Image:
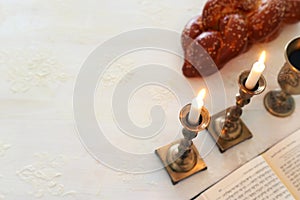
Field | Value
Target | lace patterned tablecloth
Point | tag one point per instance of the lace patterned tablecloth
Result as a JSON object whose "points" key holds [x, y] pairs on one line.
{"points": [[43, 46]]}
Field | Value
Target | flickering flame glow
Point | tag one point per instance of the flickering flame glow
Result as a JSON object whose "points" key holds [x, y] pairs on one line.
{"points": [[201, 95], [262, 57]]}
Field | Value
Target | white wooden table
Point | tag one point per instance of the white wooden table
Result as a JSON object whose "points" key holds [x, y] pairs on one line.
{"points": [[43, 47]]}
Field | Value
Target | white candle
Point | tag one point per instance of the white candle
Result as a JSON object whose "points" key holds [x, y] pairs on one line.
{"points": [[196, 107], [256, 71]]}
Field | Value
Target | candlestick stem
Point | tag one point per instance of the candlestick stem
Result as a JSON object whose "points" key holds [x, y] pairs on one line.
{"points": [[181, 158], [227, 128]]}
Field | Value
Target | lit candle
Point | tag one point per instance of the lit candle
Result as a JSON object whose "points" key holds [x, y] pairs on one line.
{"points": [[256, 71], [196, 107]]}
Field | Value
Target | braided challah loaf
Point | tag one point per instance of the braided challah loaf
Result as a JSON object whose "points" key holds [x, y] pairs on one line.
{"points": [[227, 28]]}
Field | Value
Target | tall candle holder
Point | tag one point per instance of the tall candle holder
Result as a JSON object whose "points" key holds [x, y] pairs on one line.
{"points": [[181, 158], [226, 127], [280, 102]]}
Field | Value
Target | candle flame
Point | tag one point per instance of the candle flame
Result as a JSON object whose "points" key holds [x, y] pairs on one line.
{"points": [[201, 94], [262, 57]]}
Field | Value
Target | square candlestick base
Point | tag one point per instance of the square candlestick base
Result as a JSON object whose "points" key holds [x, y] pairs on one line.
{"points": [[215, 128], [178, 176]]}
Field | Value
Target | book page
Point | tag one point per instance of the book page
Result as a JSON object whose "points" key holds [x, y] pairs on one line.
{"points": [[254, 180], [284, 159]]}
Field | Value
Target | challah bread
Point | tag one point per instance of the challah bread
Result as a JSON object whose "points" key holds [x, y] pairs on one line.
{"points": [[227, 28], [215, 10], [233, 30], [192, 29], [292, 11], [221, 45], [211, 42], [265, 20]]}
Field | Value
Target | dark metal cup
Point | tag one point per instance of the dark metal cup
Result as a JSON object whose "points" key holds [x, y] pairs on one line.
{"points": [[280, 102]]}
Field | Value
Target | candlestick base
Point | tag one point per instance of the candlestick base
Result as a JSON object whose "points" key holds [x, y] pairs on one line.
{"points": [[180, 172], [235, 136]]}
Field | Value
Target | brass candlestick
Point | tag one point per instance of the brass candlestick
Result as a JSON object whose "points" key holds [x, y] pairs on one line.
{"points": [[181, 158], [226, 127], [280, 102]]}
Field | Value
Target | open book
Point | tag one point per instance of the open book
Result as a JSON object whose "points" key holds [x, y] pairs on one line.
{"points": [[275, 174]]}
